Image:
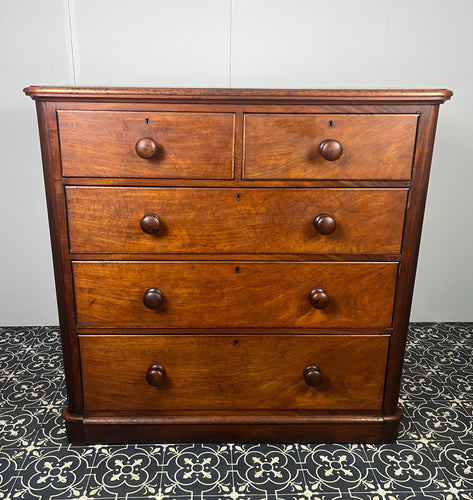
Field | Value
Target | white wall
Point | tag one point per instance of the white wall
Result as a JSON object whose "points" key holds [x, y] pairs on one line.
{"points": [[236, 43]]}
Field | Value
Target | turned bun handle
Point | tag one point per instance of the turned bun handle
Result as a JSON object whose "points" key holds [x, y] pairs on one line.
{"points": [[313, 376], [153, 298], [331, 149], [319, 298], [147, 148], [156, 375], [325, 224], [150, 223]]}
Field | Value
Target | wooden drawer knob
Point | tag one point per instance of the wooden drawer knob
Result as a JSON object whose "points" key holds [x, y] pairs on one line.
{"points": [[325, 224], [318, 298], [153, 298], [313, 376], [331, 149], [150, 223], [146, 148], [156, 375]]}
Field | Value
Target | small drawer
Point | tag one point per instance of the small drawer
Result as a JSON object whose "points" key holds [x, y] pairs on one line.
{"points": [[233, 294], [269, 221], [319, 146], [141, 144], [246, 372]]}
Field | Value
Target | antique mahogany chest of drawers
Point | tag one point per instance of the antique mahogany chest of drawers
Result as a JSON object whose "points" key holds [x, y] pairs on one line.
{"points": [[234, 265]]}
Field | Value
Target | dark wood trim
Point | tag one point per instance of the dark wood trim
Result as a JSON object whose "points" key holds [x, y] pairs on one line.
{"points": [[410, 251], [235, 331], [236, 95], [238, 257], [59, 245], [237, 428], [235, 183]]}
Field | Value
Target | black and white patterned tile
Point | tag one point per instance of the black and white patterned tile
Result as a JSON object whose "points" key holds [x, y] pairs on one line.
{"points": [[19, 426], [405, 467], [443, 420], [126, 471], [54, 472], [331, 468], [267, 470], [432, 459]]}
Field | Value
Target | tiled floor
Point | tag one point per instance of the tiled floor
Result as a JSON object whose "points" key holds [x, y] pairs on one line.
{"points": [[432, 459]]}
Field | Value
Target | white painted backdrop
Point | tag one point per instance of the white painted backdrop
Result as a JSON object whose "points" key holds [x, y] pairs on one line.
{"points": [[236, 43]]}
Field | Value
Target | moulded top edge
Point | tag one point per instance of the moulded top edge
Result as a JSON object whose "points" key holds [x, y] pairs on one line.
{"points": [[232, 94]]}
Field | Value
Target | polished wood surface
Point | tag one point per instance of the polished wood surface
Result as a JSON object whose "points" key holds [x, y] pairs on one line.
{"points": [[232, 221], [107, 144], [246, 375], [195, 95], [234, 264], [238, 294], [286, 146]]}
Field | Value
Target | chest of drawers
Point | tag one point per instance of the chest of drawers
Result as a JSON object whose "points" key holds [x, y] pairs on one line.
{"points": [[234, 265]]}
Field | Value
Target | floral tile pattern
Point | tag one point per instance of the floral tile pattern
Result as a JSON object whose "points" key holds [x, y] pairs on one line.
{"points": [[432, 459]]}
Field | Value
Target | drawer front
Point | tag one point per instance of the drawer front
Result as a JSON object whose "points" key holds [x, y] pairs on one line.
{"points": [[233, 294], [288, 146], [222, 372], [235, 221], [175, 145]]}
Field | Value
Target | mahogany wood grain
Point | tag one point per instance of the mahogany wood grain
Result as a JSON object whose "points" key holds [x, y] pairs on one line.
{"points": [[238, 294], [235, 221], [249, 374], [190, 145], [244, 208], [287, 146]]}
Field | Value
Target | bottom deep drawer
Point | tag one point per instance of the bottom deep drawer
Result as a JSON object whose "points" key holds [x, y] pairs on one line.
{"points": [[233, 372]]}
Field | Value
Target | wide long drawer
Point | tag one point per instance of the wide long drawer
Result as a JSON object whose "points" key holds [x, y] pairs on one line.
{"points": [[323, 146], [223, 372], [311, 221], [178, 145], [233, 294]]}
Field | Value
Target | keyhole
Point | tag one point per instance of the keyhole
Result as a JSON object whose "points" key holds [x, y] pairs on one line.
{"points": [[238, 197], [147, 121], [237, 269], [235, 342], [330, 124]]}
